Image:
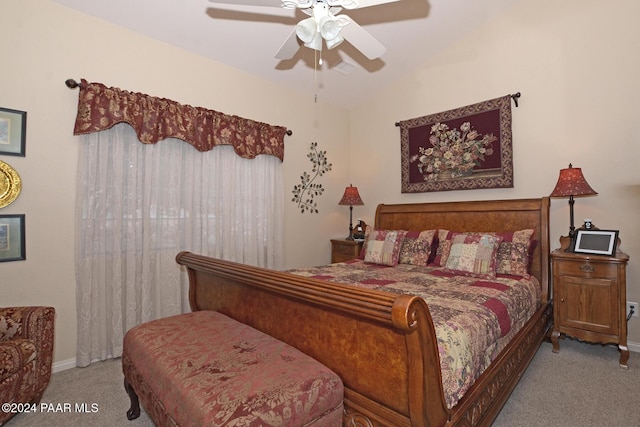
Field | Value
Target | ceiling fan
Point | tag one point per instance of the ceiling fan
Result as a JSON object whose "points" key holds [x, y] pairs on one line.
{"points": [[323, 25]]}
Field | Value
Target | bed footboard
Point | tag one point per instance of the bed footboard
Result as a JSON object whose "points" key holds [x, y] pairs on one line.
{"points": [[383, 346]]}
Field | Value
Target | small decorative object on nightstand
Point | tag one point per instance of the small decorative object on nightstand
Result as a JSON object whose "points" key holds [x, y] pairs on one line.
{"points": [[589, 294], [345, 250]]}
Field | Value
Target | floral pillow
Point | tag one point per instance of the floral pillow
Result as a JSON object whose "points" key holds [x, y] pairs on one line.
{"points": [[444, 246], [416, 247], [514, 253], [383, 246], [473, 254], [367, 232]]}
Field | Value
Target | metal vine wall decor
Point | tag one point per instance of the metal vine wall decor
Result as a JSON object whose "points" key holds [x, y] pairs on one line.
{"points": [[304, 193]]}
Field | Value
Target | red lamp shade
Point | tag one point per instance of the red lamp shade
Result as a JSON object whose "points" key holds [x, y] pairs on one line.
{"points": [[351, 197], [571, 182]]}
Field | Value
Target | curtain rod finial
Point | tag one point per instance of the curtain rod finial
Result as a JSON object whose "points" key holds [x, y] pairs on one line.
{"points": [[515, 97], [71, 83]]}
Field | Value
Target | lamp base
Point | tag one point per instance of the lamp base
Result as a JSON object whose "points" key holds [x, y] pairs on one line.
{"points": [[572, 242], [350, 236], [567, 244], [572, 228]]}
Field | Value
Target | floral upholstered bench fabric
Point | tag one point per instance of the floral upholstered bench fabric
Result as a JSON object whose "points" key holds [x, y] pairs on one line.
{"points": [[206, 369]]}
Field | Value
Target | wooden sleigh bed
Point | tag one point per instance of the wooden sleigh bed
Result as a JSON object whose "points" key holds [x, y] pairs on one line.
{"points": [[383, 345]]}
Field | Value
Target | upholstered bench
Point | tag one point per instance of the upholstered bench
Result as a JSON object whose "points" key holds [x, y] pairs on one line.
{"points": [[206, 369]]}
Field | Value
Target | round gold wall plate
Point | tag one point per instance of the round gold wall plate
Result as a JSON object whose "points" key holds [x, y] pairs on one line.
{"points": [[10, 184]]}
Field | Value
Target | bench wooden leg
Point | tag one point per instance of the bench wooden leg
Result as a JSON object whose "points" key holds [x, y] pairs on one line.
{"points": [[134, 410]]}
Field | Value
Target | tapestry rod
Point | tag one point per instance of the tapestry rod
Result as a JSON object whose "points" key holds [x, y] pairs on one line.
{"points": [[514, 96], [72, 84]]}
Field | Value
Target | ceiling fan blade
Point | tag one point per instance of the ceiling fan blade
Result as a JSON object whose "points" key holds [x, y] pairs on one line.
{"points": [[357, 4], [362, 40], [368, 3], [289, 47], [267, 3]]}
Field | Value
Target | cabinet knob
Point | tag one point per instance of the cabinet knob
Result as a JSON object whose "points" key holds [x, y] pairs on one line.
{"points": [[587, 268], [561, 299]]}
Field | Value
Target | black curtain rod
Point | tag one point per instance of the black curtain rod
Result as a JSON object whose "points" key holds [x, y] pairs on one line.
{"points": [[72, 84], [514, 96]]}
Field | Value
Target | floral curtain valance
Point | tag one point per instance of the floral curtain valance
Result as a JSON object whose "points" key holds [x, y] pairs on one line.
{"points": [[155, 119]]}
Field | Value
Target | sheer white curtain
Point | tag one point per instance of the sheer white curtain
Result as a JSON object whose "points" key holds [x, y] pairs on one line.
{"points": [[138, 205]]}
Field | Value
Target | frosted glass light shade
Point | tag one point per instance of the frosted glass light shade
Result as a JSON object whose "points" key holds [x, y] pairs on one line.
{"points": [[315, 43], [306, 30], [329, 27]]}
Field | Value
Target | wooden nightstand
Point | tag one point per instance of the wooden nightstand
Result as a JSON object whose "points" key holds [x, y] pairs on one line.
{"points": [[589, 299], [344, 250]]}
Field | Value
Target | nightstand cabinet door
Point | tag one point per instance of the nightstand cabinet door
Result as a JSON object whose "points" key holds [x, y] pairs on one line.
{"points": [[344, 250], [587, 305], [589, 299]]}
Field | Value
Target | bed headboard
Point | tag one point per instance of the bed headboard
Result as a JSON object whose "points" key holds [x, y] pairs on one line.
{"points": [[489, 215]]}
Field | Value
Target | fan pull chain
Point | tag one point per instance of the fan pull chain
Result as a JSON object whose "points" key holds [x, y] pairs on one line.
{"points": [[315, 77]]}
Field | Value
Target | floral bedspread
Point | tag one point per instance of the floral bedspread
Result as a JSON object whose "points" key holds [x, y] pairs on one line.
{"points": [[474, 318]]}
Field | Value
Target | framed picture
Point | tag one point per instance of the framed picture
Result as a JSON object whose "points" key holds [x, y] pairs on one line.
{"points": [[12, 238], [461, 149], [597, 242], [13, 132]]}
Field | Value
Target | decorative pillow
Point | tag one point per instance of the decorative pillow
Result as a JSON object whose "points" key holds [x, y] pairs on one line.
{"points": [[367, 231], [416, 247], [443, 248], [473, 254], [383, 246], [514, 253]]}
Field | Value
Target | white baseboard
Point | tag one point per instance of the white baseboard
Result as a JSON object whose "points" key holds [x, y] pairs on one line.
{"points": [[63, 365], [634, 346]]}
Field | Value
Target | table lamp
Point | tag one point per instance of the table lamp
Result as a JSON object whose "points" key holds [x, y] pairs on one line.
{"points": [[571, 183], [351, 197]]}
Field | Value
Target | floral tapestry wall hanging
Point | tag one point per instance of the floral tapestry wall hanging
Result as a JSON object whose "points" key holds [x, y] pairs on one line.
{"points": [[461, 149], [304, 193]]}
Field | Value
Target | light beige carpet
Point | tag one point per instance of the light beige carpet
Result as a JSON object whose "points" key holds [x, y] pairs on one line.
{"points": [[98, 390], [580, 386]]}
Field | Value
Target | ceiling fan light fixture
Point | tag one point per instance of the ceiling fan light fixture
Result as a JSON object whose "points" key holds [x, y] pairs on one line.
{"points": [[334, 42], [324, 25], [306, 30], [329, 27], [315, 42]]}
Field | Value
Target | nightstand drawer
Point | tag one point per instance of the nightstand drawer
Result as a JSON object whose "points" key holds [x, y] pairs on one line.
{"points": [[584, 268], [344, 250]]}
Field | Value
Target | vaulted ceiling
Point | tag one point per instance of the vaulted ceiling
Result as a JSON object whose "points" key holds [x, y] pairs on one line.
{"points": [[247, 37]]}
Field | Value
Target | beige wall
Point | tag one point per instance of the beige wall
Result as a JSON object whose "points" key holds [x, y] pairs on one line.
{"points": [[45, 44], [574, 62]]}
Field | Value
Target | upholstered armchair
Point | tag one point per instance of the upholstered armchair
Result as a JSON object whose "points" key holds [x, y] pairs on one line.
{"points": [[26, 353]]}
